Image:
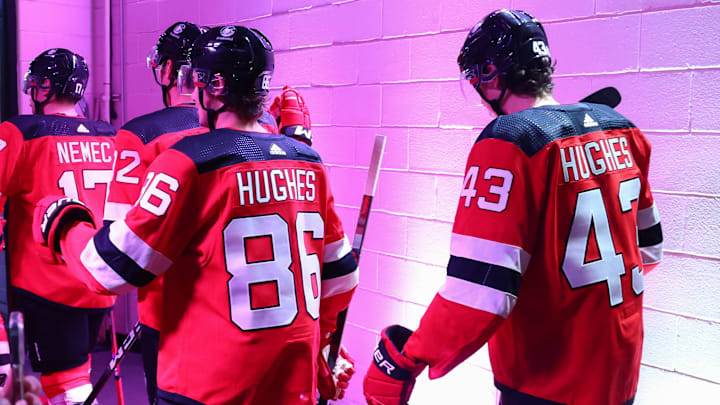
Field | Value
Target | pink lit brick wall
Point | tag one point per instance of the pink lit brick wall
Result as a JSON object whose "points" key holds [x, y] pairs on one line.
{"points": [[387, 67]]}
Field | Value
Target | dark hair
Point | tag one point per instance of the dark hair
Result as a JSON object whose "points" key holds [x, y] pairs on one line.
{"points": [[249, 107], [66, 98], [535, 79]]}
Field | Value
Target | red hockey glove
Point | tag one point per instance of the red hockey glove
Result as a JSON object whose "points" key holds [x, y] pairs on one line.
{"points": [[53, 214], [391, 376], [292, 115], [332, 386]]}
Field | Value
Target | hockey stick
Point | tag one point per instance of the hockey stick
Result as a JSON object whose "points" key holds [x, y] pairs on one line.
{"points": [[16, 338], [370, 185], [609, 96], [127, 344], [118, 379]]}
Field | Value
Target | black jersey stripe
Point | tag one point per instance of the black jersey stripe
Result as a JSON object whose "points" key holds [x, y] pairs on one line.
{"points": [[346, 265], [490, 275], [121, 263], [650, 236]]}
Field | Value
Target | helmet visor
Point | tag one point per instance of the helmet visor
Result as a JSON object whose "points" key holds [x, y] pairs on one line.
{"points": [[189, 78], [154, 59], [31, 81]]}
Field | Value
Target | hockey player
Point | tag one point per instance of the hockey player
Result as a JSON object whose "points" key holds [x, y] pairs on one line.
{"points": [[555, 227], [142, 139], [137, 144], [242, 224], [54, 151]]}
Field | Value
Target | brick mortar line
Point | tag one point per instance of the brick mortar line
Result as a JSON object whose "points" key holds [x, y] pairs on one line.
{"points": [[410, 259], [686, 193], [691, 254], [682, 315], [680, 373], [455, 79], [396, 170]]}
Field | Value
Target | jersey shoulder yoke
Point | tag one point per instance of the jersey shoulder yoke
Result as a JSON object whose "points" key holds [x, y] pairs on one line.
{"points": [[534, 128], [226, 147], [36, 126]]}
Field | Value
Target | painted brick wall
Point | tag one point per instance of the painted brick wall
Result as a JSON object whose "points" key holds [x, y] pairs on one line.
{"points": [[387, 66]]}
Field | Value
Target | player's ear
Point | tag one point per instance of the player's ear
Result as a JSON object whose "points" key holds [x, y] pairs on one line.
{"points": [[166, 72]]}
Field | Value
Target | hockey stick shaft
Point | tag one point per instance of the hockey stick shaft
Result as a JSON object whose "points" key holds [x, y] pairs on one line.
{"points": [[16, 340], [124, 348], [359, 237], [118, 379]]}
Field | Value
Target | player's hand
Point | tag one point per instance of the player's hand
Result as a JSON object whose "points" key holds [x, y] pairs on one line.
{"points": [[33, 390], [292, 115], [391, 376], [53, 214], [332, 386]]}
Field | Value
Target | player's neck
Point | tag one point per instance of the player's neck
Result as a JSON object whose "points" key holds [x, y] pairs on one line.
{"points": [[516, 103], [60, 108], [228, 119], [175, 98]]}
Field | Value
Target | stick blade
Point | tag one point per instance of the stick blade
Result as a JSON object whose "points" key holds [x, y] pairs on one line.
{"points": [[609, 96], [375, 161]]}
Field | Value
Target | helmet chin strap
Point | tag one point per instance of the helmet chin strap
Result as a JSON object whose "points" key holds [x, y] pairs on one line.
{"points": [[166, 92], [495, 104], [212, 114], [40, 105]]}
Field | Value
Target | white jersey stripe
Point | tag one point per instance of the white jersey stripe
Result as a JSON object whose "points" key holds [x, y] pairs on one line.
{"points": [[648, 217], [478, 296], [102, 272], [339, 285], [487, 251], [651, 254], [116, 211], [336, 250], [140, 252]]}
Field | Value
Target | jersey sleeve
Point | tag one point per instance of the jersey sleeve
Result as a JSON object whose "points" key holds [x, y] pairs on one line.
{"points": [[131, 252], [494, 230], [339, 271], [11, 148], [128, 173], [650, 237]]}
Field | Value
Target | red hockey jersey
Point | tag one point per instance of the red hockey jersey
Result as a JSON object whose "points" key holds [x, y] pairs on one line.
{"points": [[254, 257], [51, 155], [138, 143], [554, 228]]}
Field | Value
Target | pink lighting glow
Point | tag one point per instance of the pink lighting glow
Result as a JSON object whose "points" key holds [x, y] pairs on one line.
{"points": [[388, 67]]}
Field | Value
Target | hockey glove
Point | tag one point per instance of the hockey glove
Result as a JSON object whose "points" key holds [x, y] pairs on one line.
{"points": [[53, 214], [332, 386], [391, 376], [292, 115]]}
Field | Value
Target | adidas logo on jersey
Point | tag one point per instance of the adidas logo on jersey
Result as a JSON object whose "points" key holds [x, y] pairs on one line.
{"points": [[589, 121], [3, 144], [82, 129], [276, 150]]}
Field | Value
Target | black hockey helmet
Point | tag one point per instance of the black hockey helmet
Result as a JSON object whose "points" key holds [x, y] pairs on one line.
{"points": [[228, 61], [174, 44], [58, 70], [503, 42]]}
